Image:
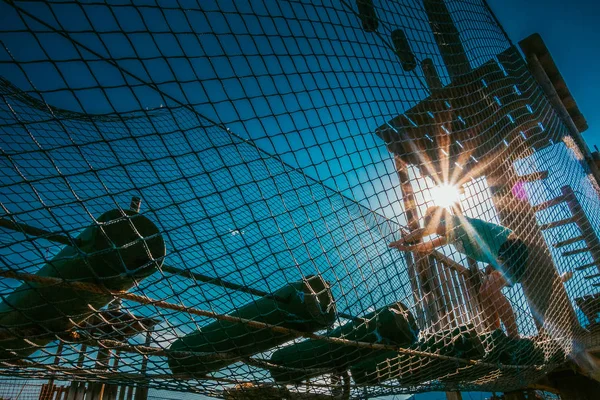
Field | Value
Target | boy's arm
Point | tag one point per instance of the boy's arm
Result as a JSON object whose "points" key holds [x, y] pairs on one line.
{"points": [[412, 237], [426, 247]]}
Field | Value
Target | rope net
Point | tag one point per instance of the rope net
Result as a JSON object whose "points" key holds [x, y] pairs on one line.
{"points": [[200, 197]]}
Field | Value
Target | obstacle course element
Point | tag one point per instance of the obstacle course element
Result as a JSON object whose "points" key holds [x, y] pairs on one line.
{"points": [[368, 15], [306, 306], [121, 248], [115, 324], [238, 120], [461, 342], [392, 324], [464, 343]]}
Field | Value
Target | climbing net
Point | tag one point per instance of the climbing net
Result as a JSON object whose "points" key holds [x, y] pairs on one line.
{"points": [[199, 196]]}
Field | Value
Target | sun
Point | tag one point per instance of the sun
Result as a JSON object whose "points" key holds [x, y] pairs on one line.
{"points": [[445, 195]]}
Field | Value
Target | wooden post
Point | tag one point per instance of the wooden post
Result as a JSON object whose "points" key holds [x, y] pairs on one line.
{"points": [[111, 389], [97, 389], [421, 264], [77, 389], [538, 71], [449, 317], [141, 391], [453, 396], [45, 392], [48, 389]]}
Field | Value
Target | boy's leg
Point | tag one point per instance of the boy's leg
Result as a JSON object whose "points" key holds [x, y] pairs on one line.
{"points": [[498, 306], [507, 315], [491, 319], [502, 306], [490, 314]]}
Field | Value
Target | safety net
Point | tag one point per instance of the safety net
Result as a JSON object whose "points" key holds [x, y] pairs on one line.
{"points": [[200, 196]]}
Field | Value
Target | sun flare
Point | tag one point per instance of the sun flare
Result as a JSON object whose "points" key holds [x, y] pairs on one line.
{"points": [[445, 195]]}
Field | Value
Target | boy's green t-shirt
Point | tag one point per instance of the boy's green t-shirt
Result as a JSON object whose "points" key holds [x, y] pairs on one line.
{"points": [[475, 238]]}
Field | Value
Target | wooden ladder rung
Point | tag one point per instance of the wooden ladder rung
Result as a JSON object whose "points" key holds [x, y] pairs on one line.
{"points": [[534, 176], [556, 224], [568, 242], [576, 251], [586, 266], [550, 203]]}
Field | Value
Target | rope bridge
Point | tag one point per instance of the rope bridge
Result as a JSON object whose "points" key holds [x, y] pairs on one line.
{"points": [[200, 197]]}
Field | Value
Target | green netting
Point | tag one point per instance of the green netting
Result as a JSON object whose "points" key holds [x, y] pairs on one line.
{"points": [[199, 196]]}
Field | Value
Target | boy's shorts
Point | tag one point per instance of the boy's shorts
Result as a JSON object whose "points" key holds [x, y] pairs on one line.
{"points": [[513, 259]]}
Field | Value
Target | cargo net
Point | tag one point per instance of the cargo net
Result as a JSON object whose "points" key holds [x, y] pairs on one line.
{"points": [[202, 196]]}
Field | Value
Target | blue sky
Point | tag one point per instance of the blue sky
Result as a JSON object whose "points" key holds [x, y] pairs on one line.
{"points": [[571, 32]]}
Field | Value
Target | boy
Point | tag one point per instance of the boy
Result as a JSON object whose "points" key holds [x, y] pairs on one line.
{"points": [[482, 241]]}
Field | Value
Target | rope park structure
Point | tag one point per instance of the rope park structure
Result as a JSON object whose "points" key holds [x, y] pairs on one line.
{"points": [[200, 197]]}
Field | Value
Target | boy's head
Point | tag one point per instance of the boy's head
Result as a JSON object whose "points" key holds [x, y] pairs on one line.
{"points": [[435, 219]]}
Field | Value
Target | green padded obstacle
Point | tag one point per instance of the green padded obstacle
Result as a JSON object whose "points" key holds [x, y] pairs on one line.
{"points": [[393, 325], [306, 306], [461, 342], [367, 15], [114, 253], [501, 349]]}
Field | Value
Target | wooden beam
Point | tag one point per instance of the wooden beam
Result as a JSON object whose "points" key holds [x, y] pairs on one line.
{"points": [[534, 46], [549, 78]]}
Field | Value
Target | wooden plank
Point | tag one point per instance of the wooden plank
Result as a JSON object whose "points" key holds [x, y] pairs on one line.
{"points": [[470, 306], [534, 45], [461, 297], [586, 266], [141, 391], [575, 252], [122, 390], [548, 204], [567, 242], [438, 295], [44, 392], [454, 297], [556, 224], [444, 294], [436, 127], [450, 263], [535, 176]]}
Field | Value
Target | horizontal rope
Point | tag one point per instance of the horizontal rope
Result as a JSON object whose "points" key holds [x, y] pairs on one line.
{"points": [[88, 287]]}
